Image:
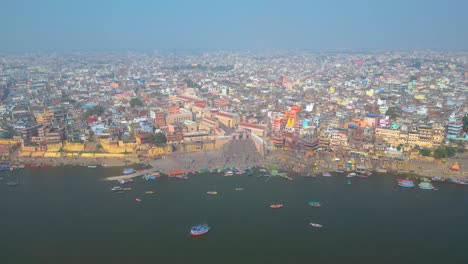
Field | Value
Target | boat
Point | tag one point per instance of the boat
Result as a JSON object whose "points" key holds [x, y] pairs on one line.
{"points": [[437, 179], [229, 173], [315, 225], [124, 181], [12, 183], [198, 230], [340, 171], [127, 189], [460, 182], [262, 170], [361, 169], [351, 175], [212, 192], [405, 183], [92, 166], [148, 177], [149, 192], [182, 177], [276, 206], [128, 171], [425, 185], [138, 200], [326, 174], [314, 204], [116, 188], [238, 189]]}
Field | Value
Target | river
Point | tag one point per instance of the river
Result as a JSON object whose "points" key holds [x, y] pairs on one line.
{"points": [[69, 214]]}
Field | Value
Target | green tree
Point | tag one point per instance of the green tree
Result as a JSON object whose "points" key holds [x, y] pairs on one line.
{"points": [[160, 139], [461, 150], [425, 152], [9, 132], [97, 110], [450, 151], [135, 102], [393, 111], [440, 153]]}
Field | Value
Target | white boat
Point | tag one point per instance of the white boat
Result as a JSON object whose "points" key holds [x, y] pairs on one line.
{"points": [[326, 174], [149, 192], [92, 166], [212, 193], [229, 173], [238, 189], [315, 225], [351, 175]]}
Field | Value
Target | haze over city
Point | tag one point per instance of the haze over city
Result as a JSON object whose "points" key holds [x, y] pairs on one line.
{"points": [[233, 131], [28, 25]]}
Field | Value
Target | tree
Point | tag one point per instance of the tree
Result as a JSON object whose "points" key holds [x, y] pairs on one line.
{"points": [[9, 132], [440, 153], [460, 150], [450, 151], [160, 139], [135, 102], [96, 110], [425, 152], [399, 147], [393, 111]]}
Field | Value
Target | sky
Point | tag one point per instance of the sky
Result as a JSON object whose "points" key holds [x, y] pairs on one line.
{"points": [[322, 25]]}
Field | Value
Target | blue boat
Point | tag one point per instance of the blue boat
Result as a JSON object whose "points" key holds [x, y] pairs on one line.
{"points": [[199, 230], [405, 183]]}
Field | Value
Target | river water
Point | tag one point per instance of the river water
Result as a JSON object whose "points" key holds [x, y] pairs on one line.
{"points": [[68, 215]]}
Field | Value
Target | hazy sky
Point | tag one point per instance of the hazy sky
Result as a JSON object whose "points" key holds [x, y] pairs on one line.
{"points": [[33, 25]]}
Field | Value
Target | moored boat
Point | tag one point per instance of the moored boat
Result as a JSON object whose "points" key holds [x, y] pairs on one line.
{"points": [[124, 181], [326, 174], [138, 200], [212, 192], [276, 206], [128, 171], [425, 185], [229, 173], [238, 189], [92, 166], [198, 230], [351, 175], [149, 192], [405, 183], [116, 188], [182, 177]]}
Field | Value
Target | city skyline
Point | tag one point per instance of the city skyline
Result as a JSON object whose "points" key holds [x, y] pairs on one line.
{"points": [[208, 25]]}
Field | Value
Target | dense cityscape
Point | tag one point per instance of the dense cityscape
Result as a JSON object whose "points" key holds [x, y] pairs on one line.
{"points": [[82, 108]]}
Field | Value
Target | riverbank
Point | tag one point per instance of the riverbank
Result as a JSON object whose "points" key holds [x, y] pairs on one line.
{"points": [[241, 154]]}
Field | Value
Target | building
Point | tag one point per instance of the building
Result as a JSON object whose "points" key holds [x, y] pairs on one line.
{"points": [[255, 129], [180, 115]]}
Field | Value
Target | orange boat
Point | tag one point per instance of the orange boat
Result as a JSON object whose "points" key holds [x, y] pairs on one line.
{"points": [[276, 206]]}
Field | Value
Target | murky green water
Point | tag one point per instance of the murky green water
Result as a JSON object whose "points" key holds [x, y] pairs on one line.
{"points": [[66, 215]]}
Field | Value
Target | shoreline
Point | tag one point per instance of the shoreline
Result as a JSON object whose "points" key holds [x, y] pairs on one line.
{"points": [[191, 162]]}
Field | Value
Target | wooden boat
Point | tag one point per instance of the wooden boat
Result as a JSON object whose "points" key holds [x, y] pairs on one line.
{"points": [[276, 206]]}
